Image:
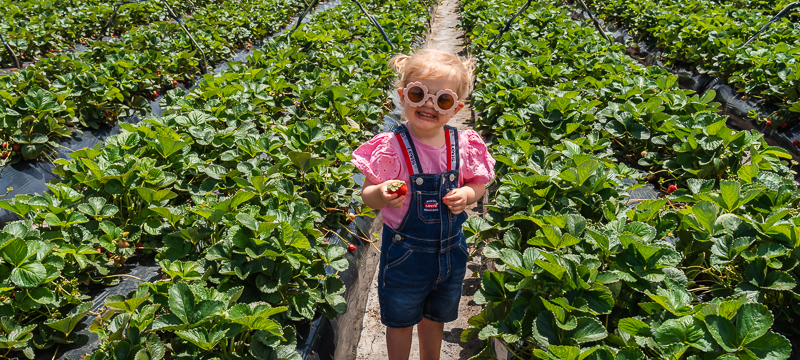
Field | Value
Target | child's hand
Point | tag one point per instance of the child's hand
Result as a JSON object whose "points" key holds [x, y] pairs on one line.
{"points": [[393, 200], [456, 200]]}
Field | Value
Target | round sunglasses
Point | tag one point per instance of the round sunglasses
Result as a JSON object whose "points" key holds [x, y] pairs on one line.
{"points": [[416, 94]]}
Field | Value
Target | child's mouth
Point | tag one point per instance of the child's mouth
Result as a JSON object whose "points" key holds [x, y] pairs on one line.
{"points": [[426, 115]]}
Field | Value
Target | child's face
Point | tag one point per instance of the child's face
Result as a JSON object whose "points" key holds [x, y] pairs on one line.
{"points": [[425, 117]]}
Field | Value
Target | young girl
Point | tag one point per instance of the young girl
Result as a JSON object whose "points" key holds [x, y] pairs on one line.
{"points": [[424, 252]]}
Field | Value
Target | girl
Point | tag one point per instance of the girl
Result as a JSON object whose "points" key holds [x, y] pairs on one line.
{"points": [[424, 252]]}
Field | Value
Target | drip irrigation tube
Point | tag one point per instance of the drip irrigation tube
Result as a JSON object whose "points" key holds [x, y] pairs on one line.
{"points": [[508, 24], [594, 20], [114, 14], [781, 14], [11, 52], [375, 23], [302, 16], [194, 43]]}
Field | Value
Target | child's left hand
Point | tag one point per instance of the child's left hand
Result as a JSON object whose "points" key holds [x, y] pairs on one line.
{"points": [[456, 200]]}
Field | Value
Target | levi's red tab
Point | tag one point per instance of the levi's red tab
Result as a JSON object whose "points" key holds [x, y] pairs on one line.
{"points": [[431, 205]]}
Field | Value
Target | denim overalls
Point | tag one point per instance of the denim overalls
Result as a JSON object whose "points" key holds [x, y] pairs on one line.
{"points": [[423, 262]]}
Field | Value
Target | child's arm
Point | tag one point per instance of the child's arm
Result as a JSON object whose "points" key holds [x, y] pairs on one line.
{"points": [[458, 199], [377, 196]]}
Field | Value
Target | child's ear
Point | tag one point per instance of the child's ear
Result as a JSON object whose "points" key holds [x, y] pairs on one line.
{"points": [[400, 92], [459, 107]]}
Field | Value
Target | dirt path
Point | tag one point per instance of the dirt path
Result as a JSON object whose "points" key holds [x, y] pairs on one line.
{"points": [[445, 36]]}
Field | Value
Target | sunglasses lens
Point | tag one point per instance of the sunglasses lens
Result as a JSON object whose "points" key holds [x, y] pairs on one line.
{"points": [[416, 94], [446, 101]]}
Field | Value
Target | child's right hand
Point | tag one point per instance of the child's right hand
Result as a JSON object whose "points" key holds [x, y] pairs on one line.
{"points": [[392, 200]]}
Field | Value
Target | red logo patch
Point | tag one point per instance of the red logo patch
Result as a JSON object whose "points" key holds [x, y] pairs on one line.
{"points": [[431, 205]]}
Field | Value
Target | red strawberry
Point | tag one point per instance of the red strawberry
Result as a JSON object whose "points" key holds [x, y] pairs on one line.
{"points": [[158, 72], [769, 123], [351, 248], [52, 50], [16, 147], [100, 250], [784, 125], [5, 154], [116, 258], [5, 145], [398, 187], [175, 83], [672, 188], [796, 142], [350, 217], [12, 296]]}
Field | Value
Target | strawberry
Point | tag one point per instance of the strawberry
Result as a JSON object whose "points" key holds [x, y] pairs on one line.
{"points": [[672, 188], [12, 296], [351, 248], [784, 125], [769, 123], [16, 147], [796, 142], [350, 217], [100, 250], [175, 83], [52, 50], [116, 258], [5, 145], [5, 154], [158, 73], [397, 187]]}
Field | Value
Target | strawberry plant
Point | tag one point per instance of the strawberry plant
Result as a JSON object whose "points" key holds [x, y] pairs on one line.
{"points": [[233, 190], [582, 269]]}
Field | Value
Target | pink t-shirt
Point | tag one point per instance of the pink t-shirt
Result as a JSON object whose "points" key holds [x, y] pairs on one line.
{"points": [[380, 161]]}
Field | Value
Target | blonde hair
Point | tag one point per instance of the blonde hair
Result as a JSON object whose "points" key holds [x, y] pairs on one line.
{"points": [[432, 63]]}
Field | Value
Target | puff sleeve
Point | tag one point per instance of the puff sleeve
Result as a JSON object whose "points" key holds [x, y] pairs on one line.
{"points": [[478, 166], [378, 159]]}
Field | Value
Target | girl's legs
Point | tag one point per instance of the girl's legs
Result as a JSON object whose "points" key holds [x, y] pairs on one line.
{"points": [[398, 342], [430, 339]]}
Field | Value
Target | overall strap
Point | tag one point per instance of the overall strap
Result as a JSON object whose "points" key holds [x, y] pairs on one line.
{"points": [[451, 141], [409, 151]]}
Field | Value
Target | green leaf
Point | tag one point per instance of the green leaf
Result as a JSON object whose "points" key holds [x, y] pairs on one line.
{"points": [[635, 327], [181, 302], [723, 331], [67, 324], [588, 329], [752, 321], [686, 330], [770, 346], [29, 275]]}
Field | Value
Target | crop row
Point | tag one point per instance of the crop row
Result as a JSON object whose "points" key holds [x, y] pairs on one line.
{"points": [[117, 78], [35, 28], [584, 269], [707, 36], [234, 188]]}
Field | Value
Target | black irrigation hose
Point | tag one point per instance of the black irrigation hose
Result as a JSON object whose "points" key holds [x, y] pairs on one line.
{"points": [[508, 24], [11, 52], [781, 14], [375, 23], [194, 43], [300, 19], [114, 14], [594, 20]]}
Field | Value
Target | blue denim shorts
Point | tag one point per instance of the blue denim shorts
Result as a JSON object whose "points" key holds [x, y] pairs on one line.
{"points": [[417, 278]]}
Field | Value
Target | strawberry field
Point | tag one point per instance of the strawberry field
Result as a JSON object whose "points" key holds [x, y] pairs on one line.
{"points": [[586, 267], [235, 189], [628, 219]]}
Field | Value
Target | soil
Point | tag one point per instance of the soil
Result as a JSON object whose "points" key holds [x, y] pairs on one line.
{"points": [[444, 35]]}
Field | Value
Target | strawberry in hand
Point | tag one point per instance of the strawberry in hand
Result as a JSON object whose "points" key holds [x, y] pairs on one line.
{"points": [[399, 187]]}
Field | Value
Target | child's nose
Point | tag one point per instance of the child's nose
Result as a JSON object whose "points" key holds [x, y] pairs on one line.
{"points": [[429, 103]]}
